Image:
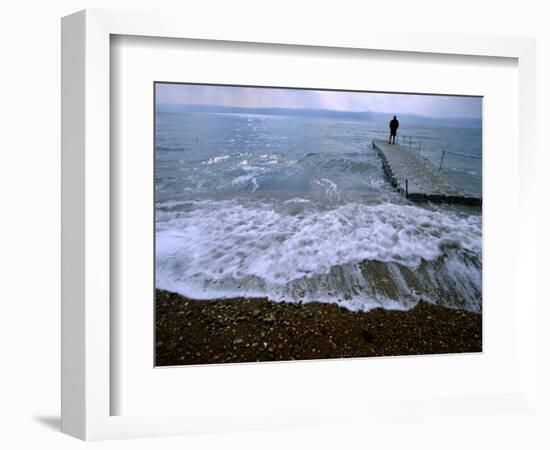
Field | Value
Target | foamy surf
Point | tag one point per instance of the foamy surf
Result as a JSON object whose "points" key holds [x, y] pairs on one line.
{"points": [[359, 256]]}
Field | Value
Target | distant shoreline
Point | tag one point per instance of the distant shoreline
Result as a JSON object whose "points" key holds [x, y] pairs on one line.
{"points": [[248, 330], [368, 116]]}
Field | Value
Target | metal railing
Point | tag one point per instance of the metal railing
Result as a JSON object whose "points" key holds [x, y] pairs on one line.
{"points": [[445, 152], [415, 144], [411, 142]]}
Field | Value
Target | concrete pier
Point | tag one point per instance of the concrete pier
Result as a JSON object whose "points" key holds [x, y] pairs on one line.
{"points": [[417, 178]]}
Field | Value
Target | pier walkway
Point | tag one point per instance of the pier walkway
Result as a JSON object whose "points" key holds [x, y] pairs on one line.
{"points": [[417, 178]]}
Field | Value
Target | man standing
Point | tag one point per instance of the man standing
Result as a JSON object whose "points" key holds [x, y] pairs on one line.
{"points": [[394, 125]]}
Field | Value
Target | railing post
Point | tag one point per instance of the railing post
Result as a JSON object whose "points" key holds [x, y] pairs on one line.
{"points": [[441, 163]]}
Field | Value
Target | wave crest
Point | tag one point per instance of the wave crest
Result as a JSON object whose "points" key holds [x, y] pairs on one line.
{"points": [[219, 249]]}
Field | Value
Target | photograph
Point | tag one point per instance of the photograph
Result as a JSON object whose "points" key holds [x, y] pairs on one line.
{"points": [[309, 224]]}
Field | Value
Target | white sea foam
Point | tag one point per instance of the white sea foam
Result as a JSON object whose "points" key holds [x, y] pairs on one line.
{"points": [[216, 159], [221, 249], [250, 180], [298, 200], [330, 188]]}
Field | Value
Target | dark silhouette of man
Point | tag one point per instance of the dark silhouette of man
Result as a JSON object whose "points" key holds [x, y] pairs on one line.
{"points": [[394, 125]]}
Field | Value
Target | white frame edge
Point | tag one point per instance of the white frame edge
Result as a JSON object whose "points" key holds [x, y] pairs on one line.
{"points": [[85, 193], [72, 225]]}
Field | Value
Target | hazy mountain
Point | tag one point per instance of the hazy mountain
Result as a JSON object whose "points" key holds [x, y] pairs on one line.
{"points": [[369, 116]]}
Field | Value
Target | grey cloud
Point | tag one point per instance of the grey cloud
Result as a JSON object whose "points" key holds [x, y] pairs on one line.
{"points": [[254, 97]]}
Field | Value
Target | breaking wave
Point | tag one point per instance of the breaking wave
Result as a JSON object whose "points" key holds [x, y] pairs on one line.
{"points": [[361, 256]]}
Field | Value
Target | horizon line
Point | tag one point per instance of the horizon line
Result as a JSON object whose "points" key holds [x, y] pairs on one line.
{"points": [[316, 109]]}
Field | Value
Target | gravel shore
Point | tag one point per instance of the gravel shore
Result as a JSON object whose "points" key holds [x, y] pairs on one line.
{"points": [[246, 330]]}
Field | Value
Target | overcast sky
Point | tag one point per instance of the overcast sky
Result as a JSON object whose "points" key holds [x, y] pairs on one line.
{"points": [[425, 105]]}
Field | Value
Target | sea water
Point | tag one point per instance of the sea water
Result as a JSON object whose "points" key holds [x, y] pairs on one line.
{"points": [[298, 209]]}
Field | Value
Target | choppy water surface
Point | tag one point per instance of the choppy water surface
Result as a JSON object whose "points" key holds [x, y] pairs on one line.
{"points": [[297, 209]]}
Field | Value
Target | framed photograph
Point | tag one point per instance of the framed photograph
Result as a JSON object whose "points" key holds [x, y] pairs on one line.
{"points": [[244, 209], [299, 224]]}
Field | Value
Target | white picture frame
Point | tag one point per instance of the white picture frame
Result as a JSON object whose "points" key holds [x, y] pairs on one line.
{"points": [[86, 177]]}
